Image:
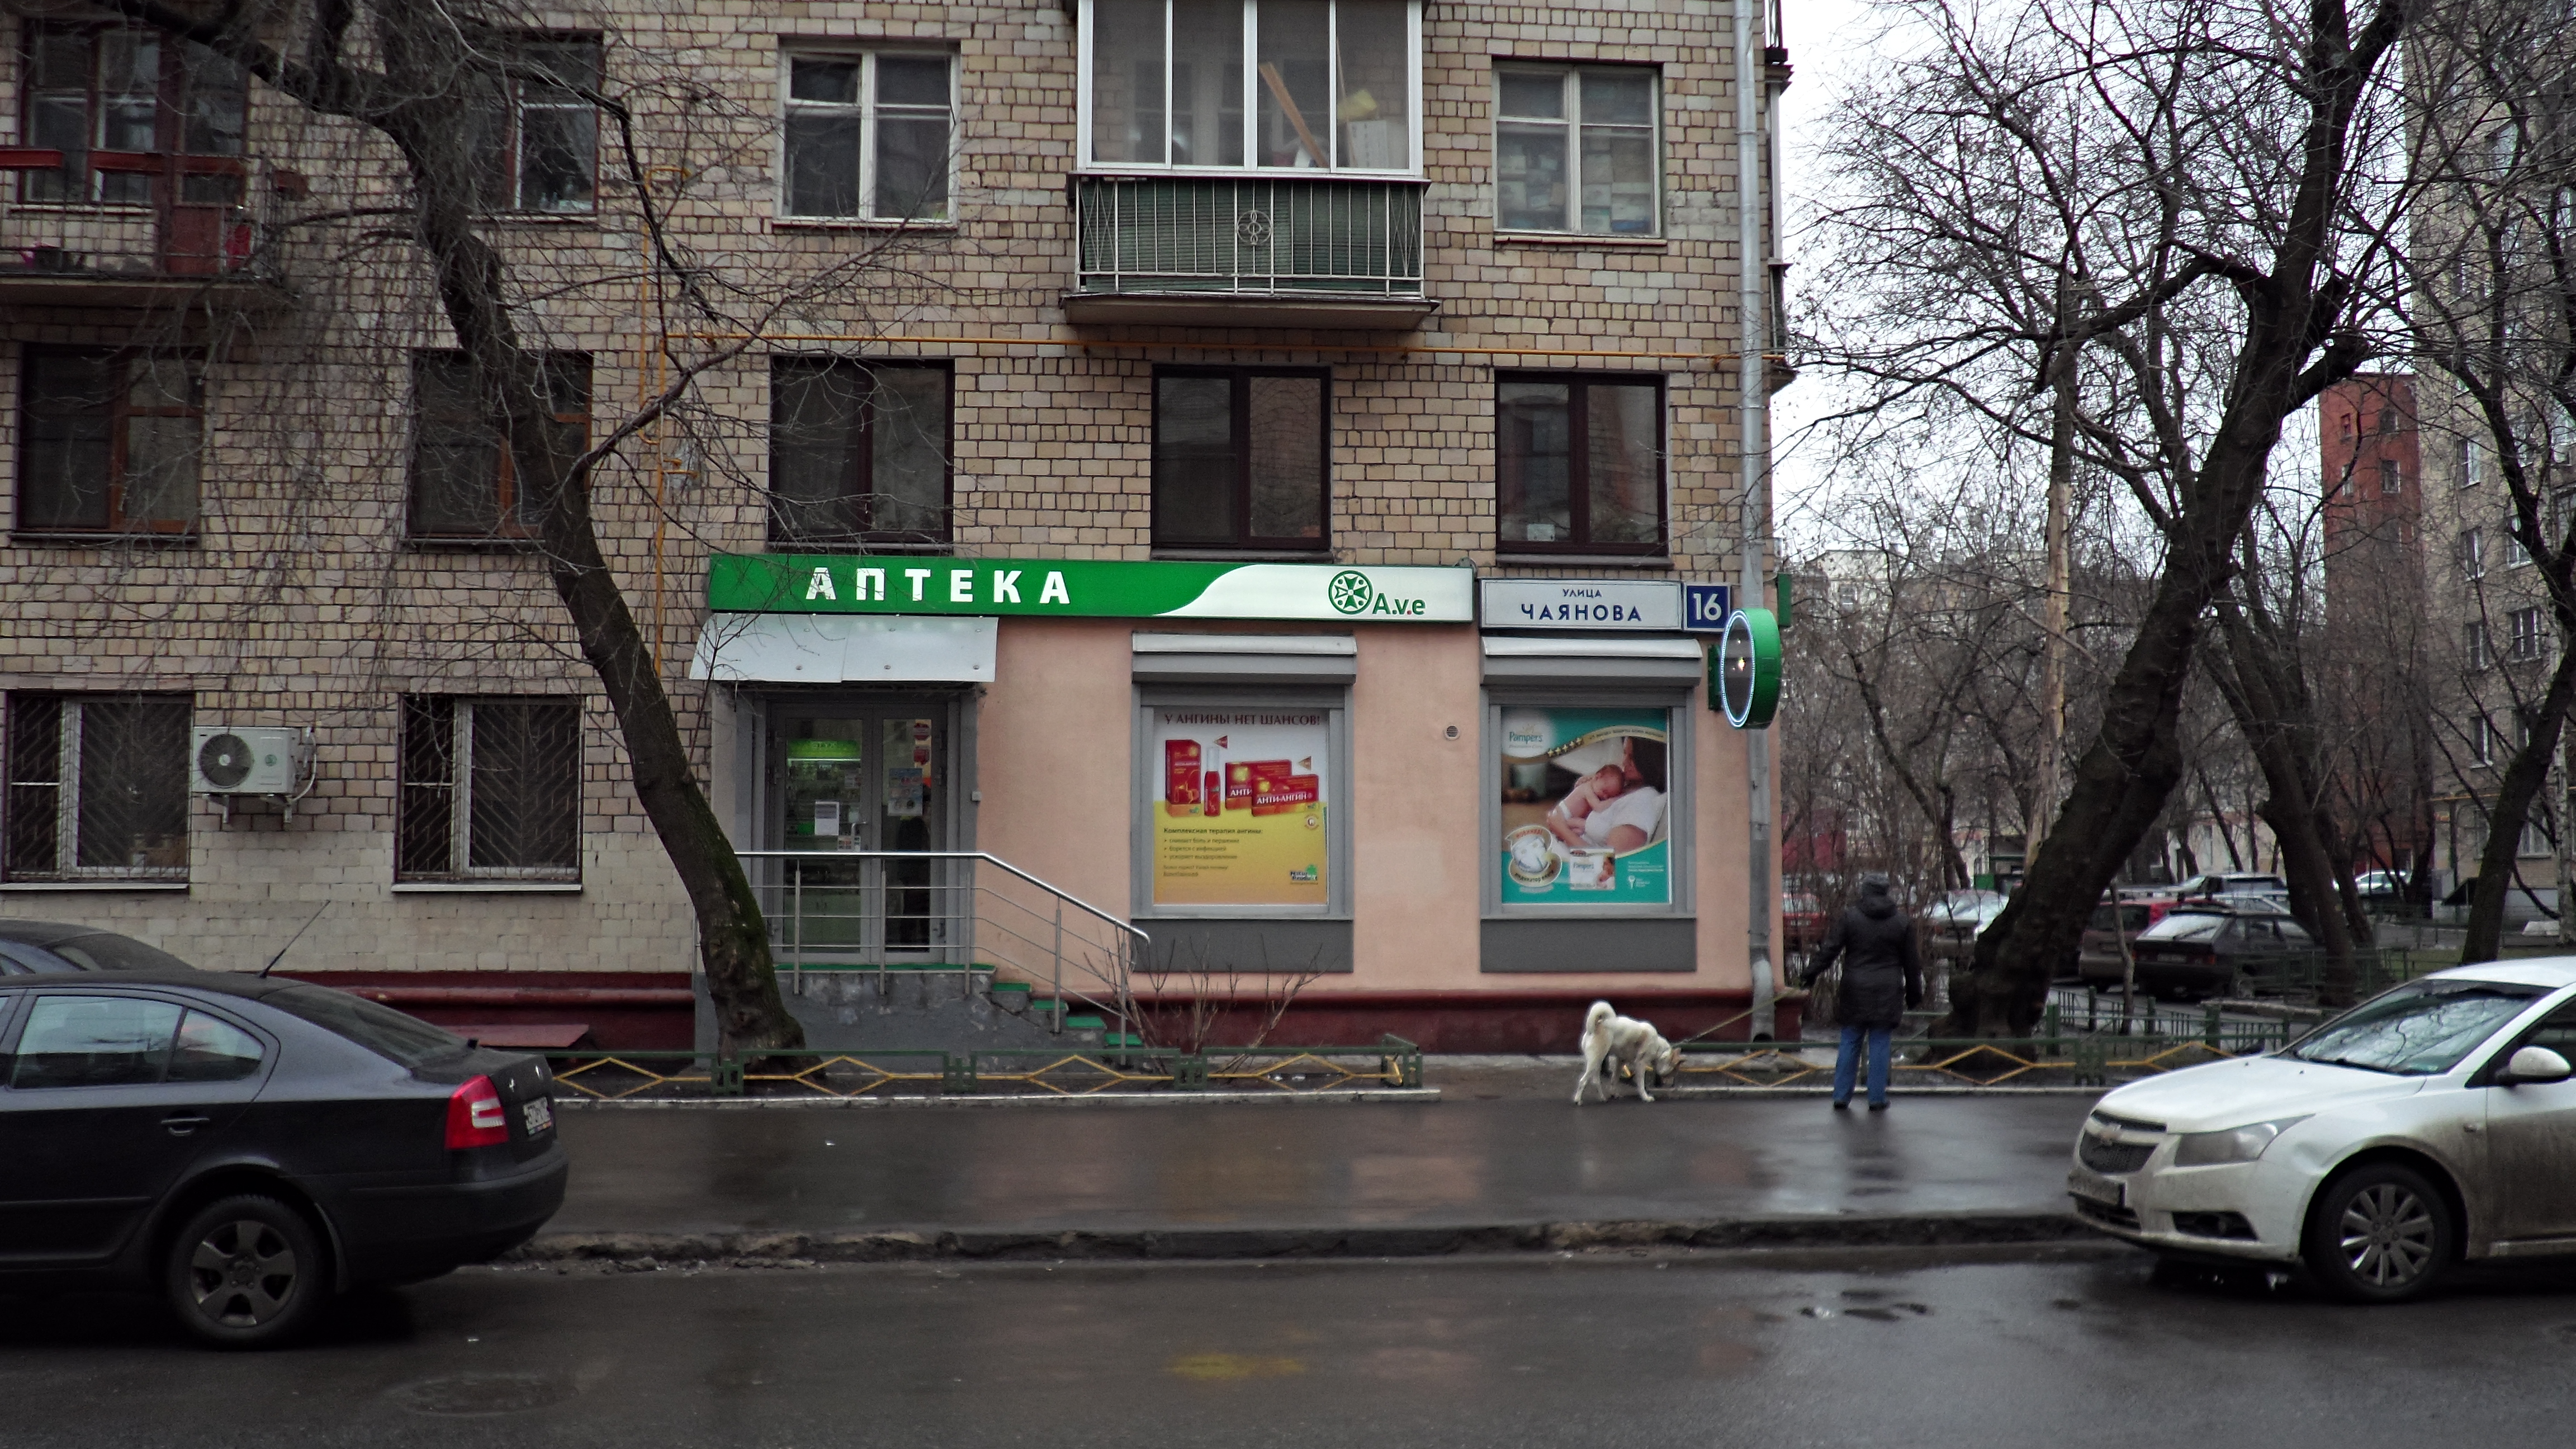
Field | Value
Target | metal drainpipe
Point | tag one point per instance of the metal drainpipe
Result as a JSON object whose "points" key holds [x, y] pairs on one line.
{"points": [[1753, 474]]}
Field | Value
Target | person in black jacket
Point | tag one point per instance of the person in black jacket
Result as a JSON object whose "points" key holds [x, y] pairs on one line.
{"points": [[1882, 978]]}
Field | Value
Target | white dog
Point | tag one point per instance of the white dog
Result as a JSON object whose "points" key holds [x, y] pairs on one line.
{"points": [[1610, 1040]]}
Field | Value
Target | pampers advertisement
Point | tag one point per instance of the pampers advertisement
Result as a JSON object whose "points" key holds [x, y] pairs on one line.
{"points": [[1584, 796], [1239, 807]]}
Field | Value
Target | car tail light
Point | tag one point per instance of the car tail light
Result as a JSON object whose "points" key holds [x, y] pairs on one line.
{"points": [[474, 1116]]}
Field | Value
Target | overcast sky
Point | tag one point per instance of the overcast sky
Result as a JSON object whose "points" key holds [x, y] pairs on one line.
{"points": [[1822, 36]]}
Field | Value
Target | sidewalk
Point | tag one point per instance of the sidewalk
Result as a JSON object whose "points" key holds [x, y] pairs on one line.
{"points": [[711, 1181]]}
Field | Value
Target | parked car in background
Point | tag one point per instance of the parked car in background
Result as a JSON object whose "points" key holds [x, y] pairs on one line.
{"points": [[2426, 1126], [2380, 885], [2205, 948], [1802, 922], [2134, 912], [1953, 922], [2232, 883], [249, 1146]]}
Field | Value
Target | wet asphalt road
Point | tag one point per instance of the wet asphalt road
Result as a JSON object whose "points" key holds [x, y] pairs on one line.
{"points": [[2043, 1348], [1045, 1168]]}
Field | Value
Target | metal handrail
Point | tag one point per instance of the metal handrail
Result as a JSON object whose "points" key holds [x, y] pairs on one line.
{"points": [[1135, 943]]}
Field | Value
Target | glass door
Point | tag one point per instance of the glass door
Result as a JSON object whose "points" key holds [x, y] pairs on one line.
{"points": [[850, 779]]}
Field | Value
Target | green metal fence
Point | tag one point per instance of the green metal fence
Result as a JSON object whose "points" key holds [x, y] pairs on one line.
{"points": [[1002, 1071]]}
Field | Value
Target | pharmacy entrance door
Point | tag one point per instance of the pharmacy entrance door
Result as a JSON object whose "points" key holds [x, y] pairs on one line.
{"points": [[852, 775]]}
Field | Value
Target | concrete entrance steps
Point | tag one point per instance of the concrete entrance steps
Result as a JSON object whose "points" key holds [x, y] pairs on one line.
{"points": [[897, 1008]]}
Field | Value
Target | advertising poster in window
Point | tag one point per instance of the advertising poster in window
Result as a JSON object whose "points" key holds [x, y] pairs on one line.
{"points": [[1238, 807], [1585, 818]]}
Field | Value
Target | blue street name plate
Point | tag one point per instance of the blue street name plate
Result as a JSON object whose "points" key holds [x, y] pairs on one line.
{"points": [[1705, 607]]}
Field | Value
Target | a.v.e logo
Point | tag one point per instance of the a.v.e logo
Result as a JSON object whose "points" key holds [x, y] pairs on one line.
{"points": [[1350, 592]]}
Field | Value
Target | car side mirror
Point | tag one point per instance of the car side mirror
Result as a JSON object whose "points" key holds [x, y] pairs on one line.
{"points": [[2536, 1065]]}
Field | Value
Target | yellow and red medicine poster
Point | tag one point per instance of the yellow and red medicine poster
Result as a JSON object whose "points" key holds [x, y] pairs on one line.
{"points": [[1238, 807]]}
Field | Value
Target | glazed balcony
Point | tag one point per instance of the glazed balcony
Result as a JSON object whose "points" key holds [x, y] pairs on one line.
{"points": [[187, 229], [1249, 251]]}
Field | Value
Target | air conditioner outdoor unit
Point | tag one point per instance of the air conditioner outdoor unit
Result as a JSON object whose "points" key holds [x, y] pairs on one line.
{"points": [[223, 760]]}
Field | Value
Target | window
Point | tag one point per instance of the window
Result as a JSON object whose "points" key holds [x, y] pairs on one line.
{"points": [[2479, 649], [110, 442], [2525, 624], [491, 790], [118, 103], [535, 139], [2483, 740], [2473, 554], [867, 136], [2472, 463], [1579, 463], [1586, 807], [1575, 150], [97, 788], [858, 453], [1241, 458], [1238, 803], [1330, 86], [464, 482], [2387, 420], [2390, 484]]}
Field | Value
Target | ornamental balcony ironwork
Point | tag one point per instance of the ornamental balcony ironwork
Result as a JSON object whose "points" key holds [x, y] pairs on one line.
{"points": [[1249, 250]]}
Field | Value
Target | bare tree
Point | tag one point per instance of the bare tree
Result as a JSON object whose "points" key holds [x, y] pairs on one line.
{"points": [[2171, 189], [393, 93], [2492, 293]]}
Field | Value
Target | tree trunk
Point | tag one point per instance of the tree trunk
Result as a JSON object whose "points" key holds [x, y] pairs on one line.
{"points": [[2272, 713], [2522, 781]]}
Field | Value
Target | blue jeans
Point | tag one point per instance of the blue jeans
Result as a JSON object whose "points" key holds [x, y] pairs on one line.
{"points": [[1846, 1061]]}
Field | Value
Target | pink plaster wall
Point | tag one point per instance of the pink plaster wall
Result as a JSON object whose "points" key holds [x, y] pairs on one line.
{"points": [[1416, 799], [1052, 747]]}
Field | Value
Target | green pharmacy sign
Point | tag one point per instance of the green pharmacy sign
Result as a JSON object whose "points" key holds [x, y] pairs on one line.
{"points": [[776, 583]]}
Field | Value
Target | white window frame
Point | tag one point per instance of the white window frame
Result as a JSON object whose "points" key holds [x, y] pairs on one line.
{"points": [[1251, 103], [2472, 463], [866, 109], [2524, 639], [1569, 72], [2473, 554]]}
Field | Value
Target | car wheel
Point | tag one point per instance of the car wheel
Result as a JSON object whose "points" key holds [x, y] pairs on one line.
{"points": [[2380, 1234], [247, 1272]]}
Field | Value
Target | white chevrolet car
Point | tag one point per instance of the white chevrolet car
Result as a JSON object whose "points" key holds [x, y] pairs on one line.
{"points": [[2433, 1123]]}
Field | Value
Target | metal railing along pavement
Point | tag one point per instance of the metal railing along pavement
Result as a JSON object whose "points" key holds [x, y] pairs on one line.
{"points": [[945, 910], [649, 1075]]}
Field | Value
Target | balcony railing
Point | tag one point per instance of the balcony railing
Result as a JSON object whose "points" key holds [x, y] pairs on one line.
{"points": [[194, 228], [1254, 236]]}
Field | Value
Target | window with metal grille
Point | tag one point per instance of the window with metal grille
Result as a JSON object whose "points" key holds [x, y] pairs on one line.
{"points": [[858, 453], [97, 788], [1579, 463], [1241, 458], [1575, 149], [127, 108], [109, 442], [868, 135], [491, 790], [533, 137], [465, 481]]}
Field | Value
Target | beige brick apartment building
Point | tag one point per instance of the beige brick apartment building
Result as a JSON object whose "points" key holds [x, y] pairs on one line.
{"points": [[1236, 460]]}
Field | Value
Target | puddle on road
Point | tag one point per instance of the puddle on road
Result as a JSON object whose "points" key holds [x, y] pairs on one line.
{"points": [[474, 1394]]}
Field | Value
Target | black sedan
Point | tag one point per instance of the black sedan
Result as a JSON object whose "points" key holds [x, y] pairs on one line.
{"points": [[2208, 948], [250, 1146]]}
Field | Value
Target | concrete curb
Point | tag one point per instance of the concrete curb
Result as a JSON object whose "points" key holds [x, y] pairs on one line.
{"points": [[1920, 1230], [1031, 1099]]}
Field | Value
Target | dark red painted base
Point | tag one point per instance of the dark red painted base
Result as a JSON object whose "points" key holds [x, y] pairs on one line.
{"points": [[653, 1010], [1539, 1021], [622, 1010]]}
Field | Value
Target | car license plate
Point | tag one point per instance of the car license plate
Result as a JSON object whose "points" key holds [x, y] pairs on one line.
{"points": [[539, 1114], [2085, 1183]]}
